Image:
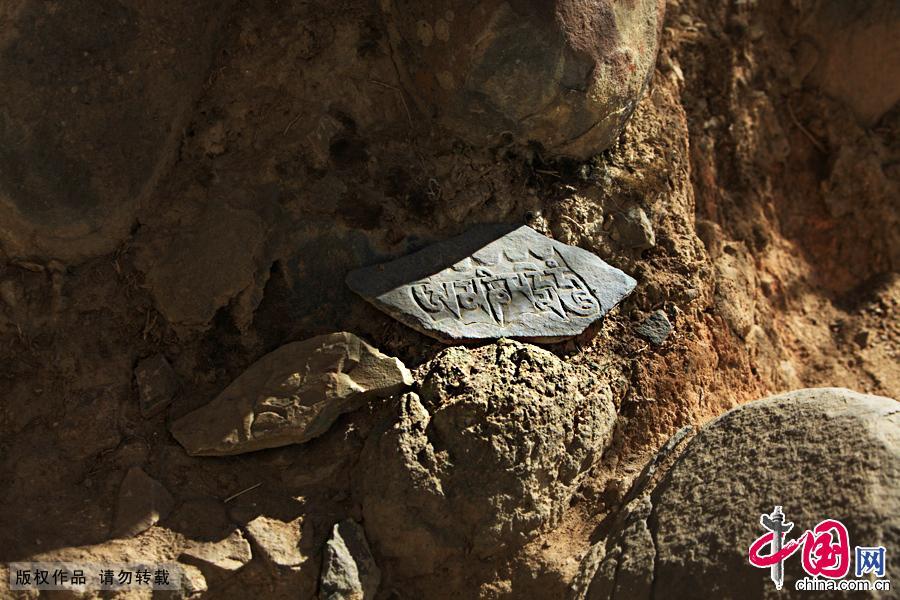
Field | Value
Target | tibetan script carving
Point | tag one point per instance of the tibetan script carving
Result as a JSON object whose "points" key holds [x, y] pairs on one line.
{"points": [[495, 281], [501, 294]]}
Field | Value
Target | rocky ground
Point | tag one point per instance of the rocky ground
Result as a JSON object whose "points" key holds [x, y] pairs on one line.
{"points": [[183, 190]]}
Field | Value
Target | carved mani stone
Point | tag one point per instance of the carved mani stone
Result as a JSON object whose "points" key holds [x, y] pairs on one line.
{"points": [[495, 281], [291, 395]]}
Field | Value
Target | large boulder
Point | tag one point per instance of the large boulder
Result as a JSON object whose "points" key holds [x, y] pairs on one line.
{"points": [[95, 96], [565, 73], [825, 453], [486, 456], [291, 395], [851, 51]]}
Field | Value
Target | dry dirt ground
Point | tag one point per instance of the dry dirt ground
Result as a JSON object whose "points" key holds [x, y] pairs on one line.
{"points": [[770, 178]]}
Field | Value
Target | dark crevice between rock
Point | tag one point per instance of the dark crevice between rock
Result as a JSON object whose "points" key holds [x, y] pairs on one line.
{"points": [[663, 462], [653, 527]]}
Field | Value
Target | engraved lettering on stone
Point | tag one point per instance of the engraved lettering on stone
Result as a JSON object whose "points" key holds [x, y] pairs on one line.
{"points": [[515, 284], [495, 281]]}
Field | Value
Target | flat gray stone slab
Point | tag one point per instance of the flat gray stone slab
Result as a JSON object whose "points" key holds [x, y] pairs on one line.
{"points": [[495, 281]]}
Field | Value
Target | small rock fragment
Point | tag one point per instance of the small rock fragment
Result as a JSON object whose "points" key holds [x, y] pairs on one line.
{"points": [[634, 231], [495, 281], [349, 571], [157, 384], [278, 541], [291, 395], [319, 138], [195, 270], [192, 580], [655, 328], [213, 140], [229, 554], [131, 453], [143, 501]]}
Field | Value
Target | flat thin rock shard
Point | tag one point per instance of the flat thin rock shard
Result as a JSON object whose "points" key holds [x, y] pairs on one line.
{"points": [[291, 395], [495, 281]]}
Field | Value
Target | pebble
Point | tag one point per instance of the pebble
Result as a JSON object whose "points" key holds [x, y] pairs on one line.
{"points": [[157, 384], [655, 328], [143, 501]]}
